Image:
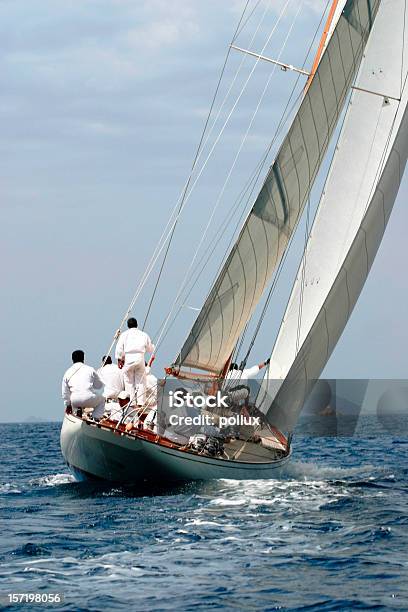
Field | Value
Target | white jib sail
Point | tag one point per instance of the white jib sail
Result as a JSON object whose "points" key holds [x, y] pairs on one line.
{"points": [[359, 194], [273, 218]]}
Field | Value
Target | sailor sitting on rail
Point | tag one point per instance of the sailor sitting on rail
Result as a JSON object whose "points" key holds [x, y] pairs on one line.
{"points": [[236, 373], [131, 348], [112, 378], [82, 387]]}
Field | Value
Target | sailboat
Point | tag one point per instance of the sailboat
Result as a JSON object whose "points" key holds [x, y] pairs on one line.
{"points": [[358, 79]]}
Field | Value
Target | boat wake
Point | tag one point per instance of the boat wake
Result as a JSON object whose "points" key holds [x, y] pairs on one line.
{"points": [[300, 470], [52, 480]]}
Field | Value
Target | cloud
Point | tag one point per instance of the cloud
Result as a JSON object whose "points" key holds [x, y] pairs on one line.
{"points": [[157, 36]]}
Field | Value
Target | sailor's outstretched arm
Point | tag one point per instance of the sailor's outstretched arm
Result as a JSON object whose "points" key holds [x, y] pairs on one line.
{"points": [[252, 372]]}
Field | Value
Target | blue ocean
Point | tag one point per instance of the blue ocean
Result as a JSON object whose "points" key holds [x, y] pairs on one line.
{"points": [[330, 534]]}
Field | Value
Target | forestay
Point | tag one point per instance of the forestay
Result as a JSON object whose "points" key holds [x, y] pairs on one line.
{"points": [[267, 230], [351, 219]]}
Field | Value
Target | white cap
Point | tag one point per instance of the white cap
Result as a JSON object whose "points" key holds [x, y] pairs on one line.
{"points": [[123, 395]]}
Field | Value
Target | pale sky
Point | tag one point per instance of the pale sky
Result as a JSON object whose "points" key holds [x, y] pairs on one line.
{"points": [[102, 105]]}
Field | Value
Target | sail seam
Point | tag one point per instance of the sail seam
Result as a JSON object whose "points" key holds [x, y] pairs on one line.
{"points": [[256, 276], [337, 36], [244, 279], [366, 252], [328, 122]]}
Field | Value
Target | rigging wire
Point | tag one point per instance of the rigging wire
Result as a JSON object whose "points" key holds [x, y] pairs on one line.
{"points": [[212, 247], [247, 19], [200, 144], [235, 159], [285, 115], [277, 277], [283, 260], [164, 237]]}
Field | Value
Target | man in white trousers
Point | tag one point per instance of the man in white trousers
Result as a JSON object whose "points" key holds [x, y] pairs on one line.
{"points": [[82, 387], [130, 349]]}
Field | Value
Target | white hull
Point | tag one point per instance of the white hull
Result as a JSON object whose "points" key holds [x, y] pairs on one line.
{"points": [[95, 452]]}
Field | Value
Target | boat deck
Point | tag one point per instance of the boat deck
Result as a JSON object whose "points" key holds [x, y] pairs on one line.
{"points": [[268, 446], [241, 450]]}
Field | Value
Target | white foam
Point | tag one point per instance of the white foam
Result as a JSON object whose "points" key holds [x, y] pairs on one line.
{"points": [[204, 523], [222, 501], [306, 471], [9, 488], [311, 488], [196, 522], [52, 480]]}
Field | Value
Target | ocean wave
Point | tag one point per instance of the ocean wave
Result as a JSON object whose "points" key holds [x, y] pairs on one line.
{"points": [[265, 497], [9, 488], [337, 515], [30, 549], [313, 471]]}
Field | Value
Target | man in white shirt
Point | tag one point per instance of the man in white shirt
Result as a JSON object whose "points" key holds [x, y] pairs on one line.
{"points": [[151, 388], [151, 400], [117, 406], [82, 387], [235, 373], [131, 348], [112, 378]]}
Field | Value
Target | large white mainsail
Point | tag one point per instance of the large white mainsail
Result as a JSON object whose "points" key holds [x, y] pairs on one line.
{"points": [[353, 212], [274, 216]]}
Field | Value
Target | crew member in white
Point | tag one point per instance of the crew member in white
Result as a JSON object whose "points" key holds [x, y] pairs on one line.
{"points": [[151, 400], [151, 387], [117, 407], [235, 373], [82, 387], [131, 348], [112, 378]]}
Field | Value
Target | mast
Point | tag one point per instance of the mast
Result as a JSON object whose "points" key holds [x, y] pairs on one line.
{"points": [[322, 43], [274, 216]]}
